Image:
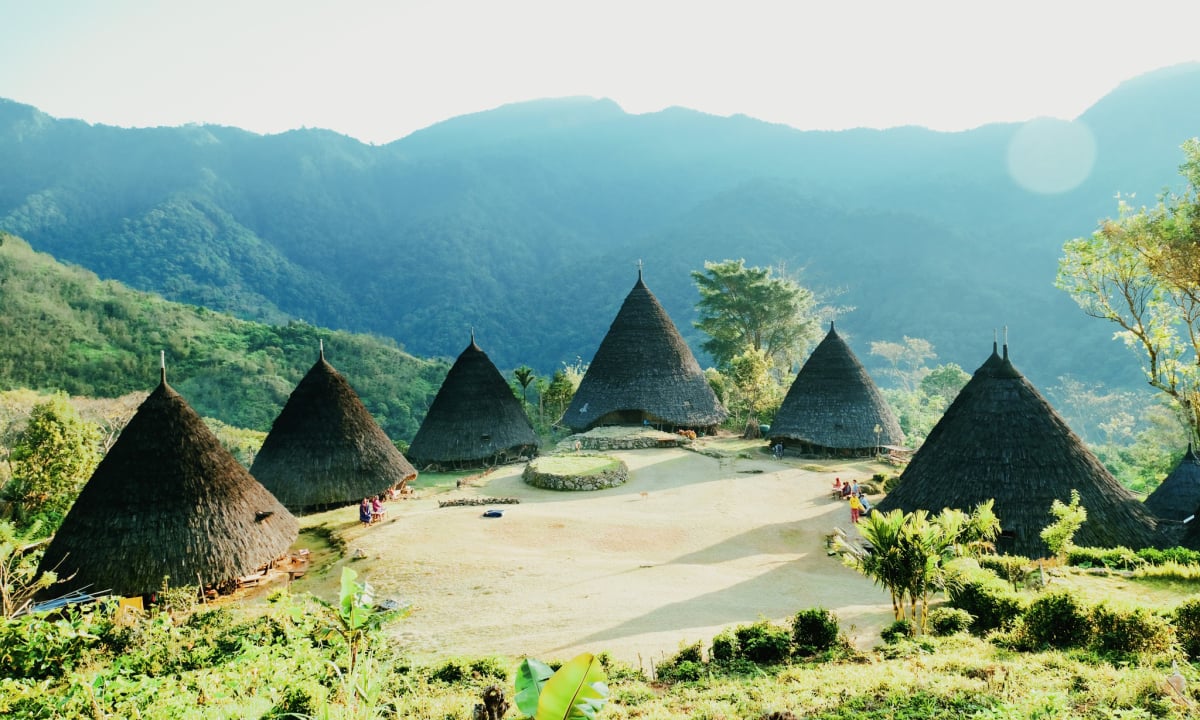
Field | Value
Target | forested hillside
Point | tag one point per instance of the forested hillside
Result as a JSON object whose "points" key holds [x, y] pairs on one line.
{"points": [[526, 222], [62, 328]]}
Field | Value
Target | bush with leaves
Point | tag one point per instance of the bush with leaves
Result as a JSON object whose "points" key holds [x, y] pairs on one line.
{"points": [[1118, 558], [814, 630], [1059, 535], [764, 643], [1178, 554], [1136, 631], [897, 631], [949, 620], [1011, 568], [724, 647], [990, 601], [1187, 626], [1056, 620]]}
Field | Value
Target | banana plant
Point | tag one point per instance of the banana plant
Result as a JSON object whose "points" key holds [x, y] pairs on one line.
{"points": [[576, 690]]}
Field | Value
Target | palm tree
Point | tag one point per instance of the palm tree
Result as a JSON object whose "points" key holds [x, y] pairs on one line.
{"points": [[886, 564], [524, 375]]}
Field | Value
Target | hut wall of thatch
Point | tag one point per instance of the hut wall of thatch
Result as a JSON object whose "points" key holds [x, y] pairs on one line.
{"points": [[325, 450], [167, 501], [1178, 496], [833, 407], [475, 420], [644, 366], [1001, 440]]}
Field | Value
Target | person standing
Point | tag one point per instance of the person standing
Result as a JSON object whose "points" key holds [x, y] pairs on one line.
{"points": [[855, 509]]}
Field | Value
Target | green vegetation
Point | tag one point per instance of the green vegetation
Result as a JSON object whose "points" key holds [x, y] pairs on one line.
{"points": [[576, 465], [52, 458], [64, 329], [1139, 272]]}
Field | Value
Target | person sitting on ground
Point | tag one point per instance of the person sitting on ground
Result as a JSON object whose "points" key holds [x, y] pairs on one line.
{"points": [[377, 509], [364, 511], [866, 506], [846, 492], [837, 488]]}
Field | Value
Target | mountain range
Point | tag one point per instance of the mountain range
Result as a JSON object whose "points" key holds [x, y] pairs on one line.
{"points": [[526, 223]]}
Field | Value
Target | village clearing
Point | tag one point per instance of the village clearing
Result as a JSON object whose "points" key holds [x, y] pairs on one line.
{"points": [[690, 545]]}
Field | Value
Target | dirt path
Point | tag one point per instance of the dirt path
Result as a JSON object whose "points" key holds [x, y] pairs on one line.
{"points": [[690, 545]]}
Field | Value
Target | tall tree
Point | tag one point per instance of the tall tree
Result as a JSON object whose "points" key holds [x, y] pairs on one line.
{"points": [[524, 375], [1142, 272], [743, 307]]}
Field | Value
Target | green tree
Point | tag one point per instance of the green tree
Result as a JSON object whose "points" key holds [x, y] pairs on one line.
{"points": [[1059, 535], [524, 375], [1141, 271], [51, 460], [754, 387], [944, 383], [743, 307]]}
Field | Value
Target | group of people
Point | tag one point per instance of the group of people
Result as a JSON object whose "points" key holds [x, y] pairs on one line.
{"points": [[850, 491], [371, 510]]}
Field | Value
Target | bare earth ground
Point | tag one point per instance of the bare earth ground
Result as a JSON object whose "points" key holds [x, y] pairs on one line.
{"points": [[690, 545]]}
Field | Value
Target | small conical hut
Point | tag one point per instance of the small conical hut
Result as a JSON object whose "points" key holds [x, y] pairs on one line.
{"points": [[475, 420], [167, 501], [324, 449], [833, 407], [1000, 439], [643, 372], [1178, 496]]}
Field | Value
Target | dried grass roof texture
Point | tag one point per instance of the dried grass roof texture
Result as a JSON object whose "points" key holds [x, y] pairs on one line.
{"points": [[474, 418], [1178, 496], [643, 365], [167, 500], [833, 403], [1000, 439], [325, 449]]}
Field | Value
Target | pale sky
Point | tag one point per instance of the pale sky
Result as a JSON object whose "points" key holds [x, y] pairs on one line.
{"points": [[378, 70]]}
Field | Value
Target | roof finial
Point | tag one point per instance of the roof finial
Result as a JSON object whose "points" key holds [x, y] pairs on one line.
{"points": [[162, 365], [321, 345], [1005, 342], [639, 268], [831, 325]]}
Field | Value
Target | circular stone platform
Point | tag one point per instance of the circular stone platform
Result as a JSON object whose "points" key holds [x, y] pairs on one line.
{"points": [[575, 472]]}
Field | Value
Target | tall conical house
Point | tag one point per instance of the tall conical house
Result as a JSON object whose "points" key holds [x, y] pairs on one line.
{"points": [[167, 501], [1001, 440], [643, 372], [1178, 496], [475, 420], [325, 449], [833, 407]]}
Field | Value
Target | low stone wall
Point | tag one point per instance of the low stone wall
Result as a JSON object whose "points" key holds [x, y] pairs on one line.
{"points": [[592, 481]]}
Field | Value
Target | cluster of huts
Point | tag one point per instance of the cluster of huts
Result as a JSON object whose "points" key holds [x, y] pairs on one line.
{"points": [[169, 501]]}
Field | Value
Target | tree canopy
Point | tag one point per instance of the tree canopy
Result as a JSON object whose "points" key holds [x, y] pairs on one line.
{"points": [[1142, 272], [747, 308]]}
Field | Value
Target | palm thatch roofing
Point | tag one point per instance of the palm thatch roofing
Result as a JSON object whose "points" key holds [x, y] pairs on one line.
{"points": [[643, 371], [833, 405], [167, 500], [324, 449], [475, 419], [1179, 494], [1000, 439]]}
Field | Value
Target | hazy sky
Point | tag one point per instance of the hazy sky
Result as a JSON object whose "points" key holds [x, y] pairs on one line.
{"points": [[379, 70]]}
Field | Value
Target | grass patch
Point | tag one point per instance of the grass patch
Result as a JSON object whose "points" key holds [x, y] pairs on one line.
{"points": [[440, 480], [575, 465]]}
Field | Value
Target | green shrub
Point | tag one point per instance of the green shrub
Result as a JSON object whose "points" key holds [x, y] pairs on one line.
{"points": [[1187, 626], [1169, 570], [724, 647], [949, 620], [1177, 554], [451, 672], [764, 643], [814, 630], [1057, 620], [1010, 568], [897, 631], [686, 665], [1129, 632], [989, 600], [1118, 558]]}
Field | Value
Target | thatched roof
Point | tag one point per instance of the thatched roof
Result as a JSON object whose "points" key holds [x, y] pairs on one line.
{"points": [[643, 370], [325, 449], [1179, 494], [475, 418], [167, 500], [1000, 439], [833, 404]]}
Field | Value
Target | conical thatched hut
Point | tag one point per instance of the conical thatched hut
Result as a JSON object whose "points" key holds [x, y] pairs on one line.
{"points": [[475, 419], [1000, 439], [1178, 496], [167, 500], [325, 450], [643, 371], [834, 407]]}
